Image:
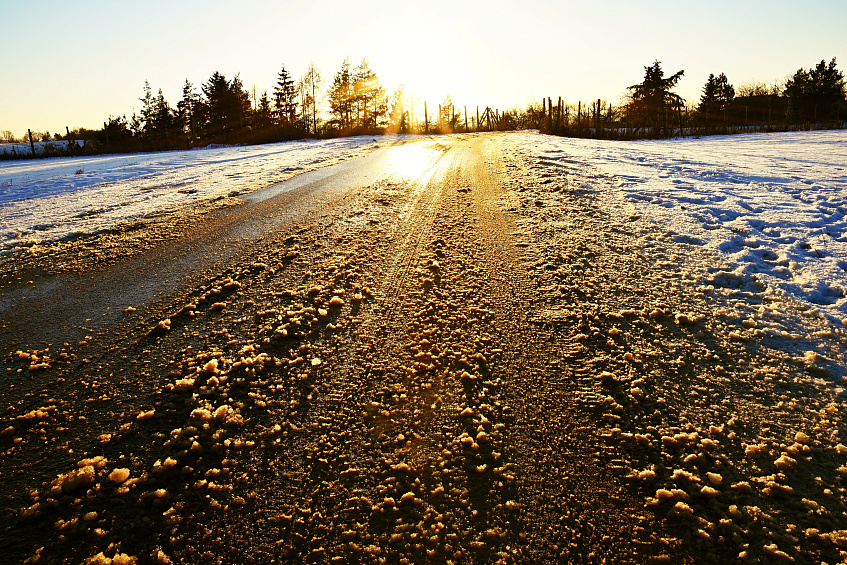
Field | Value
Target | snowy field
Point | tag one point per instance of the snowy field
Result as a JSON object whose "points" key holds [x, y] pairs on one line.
{"points": [[771, 206], [40, 147], [48, 199]]}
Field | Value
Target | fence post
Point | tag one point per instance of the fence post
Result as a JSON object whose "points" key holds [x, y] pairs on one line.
{"points": [[466, 119], [559, 115], [426, 119], [597, 116], [31, 144], [550, 113]]}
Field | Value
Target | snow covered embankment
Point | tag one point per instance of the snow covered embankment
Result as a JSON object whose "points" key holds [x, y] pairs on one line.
{"points": [[771, 206], [49, 199]]}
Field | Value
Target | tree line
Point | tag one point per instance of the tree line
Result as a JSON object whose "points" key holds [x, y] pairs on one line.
{"points": [[223, 111], [814, 98]]}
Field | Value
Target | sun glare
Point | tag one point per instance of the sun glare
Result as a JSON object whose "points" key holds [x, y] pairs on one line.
{"points": [[411, 161]]}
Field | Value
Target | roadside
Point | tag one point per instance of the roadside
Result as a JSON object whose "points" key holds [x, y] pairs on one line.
{"points": [[492, 361]]}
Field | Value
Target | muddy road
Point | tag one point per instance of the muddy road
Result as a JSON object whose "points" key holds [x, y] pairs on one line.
{"points": [[448, 351]]}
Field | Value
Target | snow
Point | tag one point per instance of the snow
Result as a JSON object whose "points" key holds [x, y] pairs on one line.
{"points": [[770, 206], [24, 148], [45, 200]]}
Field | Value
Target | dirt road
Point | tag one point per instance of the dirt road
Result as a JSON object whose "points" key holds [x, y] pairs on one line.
{"points": [[447, 351]]}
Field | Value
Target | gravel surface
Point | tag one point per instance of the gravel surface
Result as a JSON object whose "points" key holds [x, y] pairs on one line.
{"points": [[455, 353]]}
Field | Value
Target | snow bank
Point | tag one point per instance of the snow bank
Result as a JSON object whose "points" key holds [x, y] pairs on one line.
{"points": [[772, 206], [24, 148], [49, 199]]}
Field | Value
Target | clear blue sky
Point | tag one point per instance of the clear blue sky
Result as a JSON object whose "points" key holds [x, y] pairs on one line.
{"points": [[76, 62]]}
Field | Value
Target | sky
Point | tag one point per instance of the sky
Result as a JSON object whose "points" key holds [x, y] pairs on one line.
{"points": [[76, 63]]}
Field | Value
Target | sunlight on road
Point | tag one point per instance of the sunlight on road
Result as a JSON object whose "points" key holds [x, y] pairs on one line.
{"points": [[411, 161]]}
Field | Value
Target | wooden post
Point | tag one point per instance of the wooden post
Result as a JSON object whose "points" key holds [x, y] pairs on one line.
{"points": [[578, 113], [477, 118], [550, 113], [426, 119], [543, 113], [597, 115], [559, 115], [466, 119], [31, 144]]}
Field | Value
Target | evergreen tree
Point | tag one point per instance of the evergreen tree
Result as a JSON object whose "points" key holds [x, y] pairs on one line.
{"points": [[369, 97], [263, 118], [187, 110], [370, 102], [716, 97], [147, 109], [136, 126], [285, 98], [162, 118], [240, 100], [227, 107], [818, 93], [650, 100], [216, 93], [116, 133], [341, 96]]}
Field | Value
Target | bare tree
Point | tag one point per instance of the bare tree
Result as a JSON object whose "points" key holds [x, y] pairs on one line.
{"points": [[312, 81]]}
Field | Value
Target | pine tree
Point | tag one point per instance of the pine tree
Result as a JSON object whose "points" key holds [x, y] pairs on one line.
{"points": [[716, 98], [818, 93], [163, 119], [341, 96], [186, 111], [239, 100], [147, 110], [650, 99], [263, 118], [369, 96], [218, 106], [285, 98], [136, 126]]}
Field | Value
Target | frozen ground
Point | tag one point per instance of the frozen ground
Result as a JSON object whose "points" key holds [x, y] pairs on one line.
{"points": [[772, 206]]}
